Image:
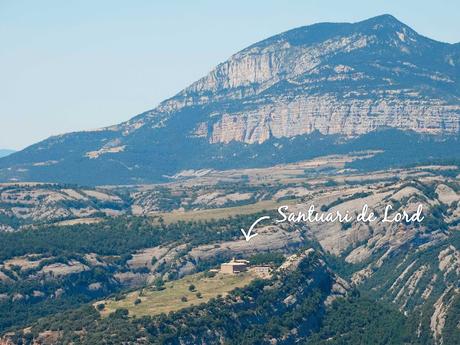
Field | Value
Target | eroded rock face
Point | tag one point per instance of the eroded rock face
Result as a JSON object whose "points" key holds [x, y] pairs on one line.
{"points": [[328, 115], [352, 81], [23, 204]]}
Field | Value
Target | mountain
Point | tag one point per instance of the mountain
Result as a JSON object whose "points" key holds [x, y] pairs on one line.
{"points": [[5, 152], [314, 90]]}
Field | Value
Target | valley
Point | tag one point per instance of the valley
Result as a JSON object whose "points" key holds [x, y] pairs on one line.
{"points": [[305, 191], [178, 231]]}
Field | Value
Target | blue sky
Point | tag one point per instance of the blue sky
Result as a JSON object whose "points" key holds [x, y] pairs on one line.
{"points": [[74, 65]]}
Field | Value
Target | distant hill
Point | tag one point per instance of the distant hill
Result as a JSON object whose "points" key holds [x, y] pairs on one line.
{"points": [[5, 152], [310, 91]]}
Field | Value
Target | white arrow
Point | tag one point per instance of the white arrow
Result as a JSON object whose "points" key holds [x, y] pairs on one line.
{"points": [[248, 235]]}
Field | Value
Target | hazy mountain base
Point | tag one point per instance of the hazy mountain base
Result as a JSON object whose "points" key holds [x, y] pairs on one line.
{"points": [[4, 152], [144, 165], [200, 194]]}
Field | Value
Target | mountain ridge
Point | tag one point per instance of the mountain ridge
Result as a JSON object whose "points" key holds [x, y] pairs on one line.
{"points": [[6, 152]]}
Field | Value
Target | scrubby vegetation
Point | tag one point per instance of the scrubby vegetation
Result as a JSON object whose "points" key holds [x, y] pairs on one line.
{"points": [[362, 321], [115, 239], [115, 236]]}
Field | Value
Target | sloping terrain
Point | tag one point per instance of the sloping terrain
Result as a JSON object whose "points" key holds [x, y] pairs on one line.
{"points": [[411, 270], [298, 293], [4, 152], [203, 194], [22, 204]]}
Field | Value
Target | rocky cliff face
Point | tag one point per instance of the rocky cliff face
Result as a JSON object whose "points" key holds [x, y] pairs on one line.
{"points": [[329, 79], [330, 115], [346, 79]]}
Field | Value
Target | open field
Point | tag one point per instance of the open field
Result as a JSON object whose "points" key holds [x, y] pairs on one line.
{"points": [[284, 173], [77, 221], [219, 213], [170, 298]]}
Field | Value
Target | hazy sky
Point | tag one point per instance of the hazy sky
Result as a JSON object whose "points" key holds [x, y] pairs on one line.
{"points": [[73, 65]]}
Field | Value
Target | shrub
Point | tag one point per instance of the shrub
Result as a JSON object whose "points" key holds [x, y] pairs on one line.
{"points": [[159, 283], [122, 312], [346, 226], [209, 274]]}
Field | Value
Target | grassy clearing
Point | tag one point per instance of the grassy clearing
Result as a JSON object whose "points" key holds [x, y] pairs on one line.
{"points": [[79, 221], [219, 213], [170, 299]]}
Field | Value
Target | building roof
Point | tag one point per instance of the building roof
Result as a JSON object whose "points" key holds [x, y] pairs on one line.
{"points": [[235, 262]]}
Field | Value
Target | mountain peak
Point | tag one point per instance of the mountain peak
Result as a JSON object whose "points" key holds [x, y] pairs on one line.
{"points": [[384, 27], [385, 22], [385, 18]]}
